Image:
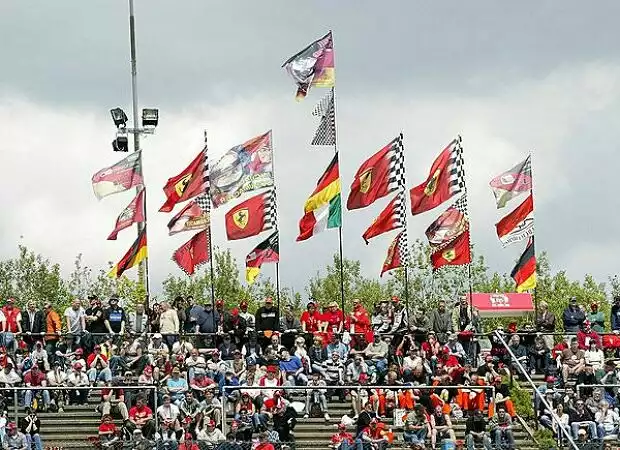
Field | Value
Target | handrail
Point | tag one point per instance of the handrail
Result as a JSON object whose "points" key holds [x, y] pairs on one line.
{"points": [[603, 386], [541, 397], [308, 388]]}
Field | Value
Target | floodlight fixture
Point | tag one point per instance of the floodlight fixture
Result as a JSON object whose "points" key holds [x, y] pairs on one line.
{"points": [[150, 117], [120, 144], [119, 117]]}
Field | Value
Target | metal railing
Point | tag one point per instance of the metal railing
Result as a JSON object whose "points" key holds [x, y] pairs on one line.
{"points": [[524, 372], [345, 387]]}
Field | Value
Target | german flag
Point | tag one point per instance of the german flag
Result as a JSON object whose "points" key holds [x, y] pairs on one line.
{"points": [[524, 272], [135, 255], [265, 252]]}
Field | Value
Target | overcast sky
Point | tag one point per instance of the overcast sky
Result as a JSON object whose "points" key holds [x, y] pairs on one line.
{"points": [[539, 76]]}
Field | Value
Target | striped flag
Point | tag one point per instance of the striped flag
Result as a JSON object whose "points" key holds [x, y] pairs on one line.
{"points": [[325, 133], [524, 273], [137, 253], [517, 225]]}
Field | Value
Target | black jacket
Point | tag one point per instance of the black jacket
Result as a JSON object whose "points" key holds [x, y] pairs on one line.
{"points": [[38, 325]]}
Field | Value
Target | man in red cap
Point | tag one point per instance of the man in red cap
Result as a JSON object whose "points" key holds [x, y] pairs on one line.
{"points": [[14, 439], [249, 318], [342, 440], [235, 326]]}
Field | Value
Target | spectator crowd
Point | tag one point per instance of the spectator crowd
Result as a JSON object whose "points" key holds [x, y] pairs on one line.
{"points": [[168, 377]]}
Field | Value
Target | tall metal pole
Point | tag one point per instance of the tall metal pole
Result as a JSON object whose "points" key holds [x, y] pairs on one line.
{"points": [[534, 241], [210, 243], [143, 269], [342, 300], [278, 291]]}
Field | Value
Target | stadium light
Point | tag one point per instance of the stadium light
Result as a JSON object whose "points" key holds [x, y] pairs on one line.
{"points": [[120, 144], [150, 117], [119, 117]]}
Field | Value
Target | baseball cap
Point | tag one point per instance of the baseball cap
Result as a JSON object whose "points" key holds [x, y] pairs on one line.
{"points": [[157, 336], [268, 300]]}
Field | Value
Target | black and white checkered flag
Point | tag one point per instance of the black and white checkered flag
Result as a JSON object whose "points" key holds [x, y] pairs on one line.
{"points": [[403, 248], [456, 168], [271, 214], [203, 200], [397, 165], [325, 133]]}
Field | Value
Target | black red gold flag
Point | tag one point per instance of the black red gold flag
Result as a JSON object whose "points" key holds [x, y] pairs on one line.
{"points": [[266, 252], [524, 273], [137, 253]]}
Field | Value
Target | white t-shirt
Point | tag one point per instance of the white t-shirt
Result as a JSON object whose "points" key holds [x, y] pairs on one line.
{"points": [[75, 319], [170, 412]]}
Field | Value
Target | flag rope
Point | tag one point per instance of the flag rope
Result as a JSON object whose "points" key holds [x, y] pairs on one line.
{"points": [[210, 243]]}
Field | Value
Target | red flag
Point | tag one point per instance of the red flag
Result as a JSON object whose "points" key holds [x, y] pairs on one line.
{"points": [[379, 175], [457, 253], [191, 217], [250, 217], [133, 213], [517, 225], [397, 253], [390, 218], [193, 253], [188, 184], [445, 179], [449, 225]]}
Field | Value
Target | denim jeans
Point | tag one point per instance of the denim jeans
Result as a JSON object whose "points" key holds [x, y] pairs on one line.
{"points": [[470, 441], [415, 437], [30, 393], [38, 445], [103, 375]]}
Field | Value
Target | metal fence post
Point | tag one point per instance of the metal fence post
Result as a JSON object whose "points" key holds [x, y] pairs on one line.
{"points": [[15, 405]]}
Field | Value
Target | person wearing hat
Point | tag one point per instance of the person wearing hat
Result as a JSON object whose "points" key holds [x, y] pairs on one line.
{"points": [[249, 318], [168, 413], [235, 326], [586, 334], [573, 317], [267, 317], [399, 316], [188, 443], [107, 430], [455, 347], [8, 376], [342, 440], [115, 318], [77, 378], [333, 319], [36, 381], [596, 318], [98, 367], [207, 432], [176, 385], [359, 319], [14, 439]]}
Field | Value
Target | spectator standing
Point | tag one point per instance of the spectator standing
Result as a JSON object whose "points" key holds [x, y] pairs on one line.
{"points": [[33, 325], [267, 317], [462, 317], [310, 318], [359, 319], [573, 318], [168, 324], [115, 317], [596, 318], [13, 322], [333, 319], [615, 314], [53, 328], [250, 320], [441, 322], [138, 320], [95, 321], [545, 323], [31, 427], [236, 326], [75, 317]]}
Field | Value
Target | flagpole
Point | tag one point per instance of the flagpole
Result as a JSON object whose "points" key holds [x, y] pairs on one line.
{"points": [[533, 237], [278, 292], [342, 299], [210, 242], [143, 268], [469, 276]]}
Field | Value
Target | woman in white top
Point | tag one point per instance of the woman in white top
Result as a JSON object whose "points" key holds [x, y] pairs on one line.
{"points": [[594, 356]]}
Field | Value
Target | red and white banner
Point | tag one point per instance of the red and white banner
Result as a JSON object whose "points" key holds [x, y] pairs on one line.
{"points": [[497, 305]]}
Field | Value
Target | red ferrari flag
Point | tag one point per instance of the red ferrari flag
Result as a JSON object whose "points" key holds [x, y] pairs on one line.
{"points": [[392, 217], [193, 253], [382, 173], [445, 179], [517, 225], [398, 254], [189, 183], [449, 225], [457, 253], [191, 217], [133, 213], [251, 217]]}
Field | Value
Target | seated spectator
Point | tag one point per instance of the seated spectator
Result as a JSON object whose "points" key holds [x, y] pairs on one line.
{"points": [[40, 357], [37, 381], [580, 417], [336, 345], [564, 426], [416, 426], [342, 440], [201, 383], [57, 378], [14, 439], [316, 396], [502, 396], [193, 362], [381, 319], [113, 401], [77, 378], [539, 356], [376, 354], [263, 443], [168, 414], [501, 429], [292, 369], [176, 386], [586, 334], [594, 357], [455, 348], [357, 374], [141, 417], [191, 409], [573, 361], [108, 432], [334, 370], [98, 369], [318, 355], [375, 435], [441, 426], [476, 431], [30, 426], [607, 420], [8, 376], [520, 352], [208, 435]]}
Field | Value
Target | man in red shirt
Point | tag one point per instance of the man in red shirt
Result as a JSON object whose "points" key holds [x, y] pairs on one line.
{"points": [[342, 437], [263, 444], [98, 369], [360, 321], [34, 378], [12, 322], [310, 319], [141, 417], [333, 319], [107, 430]]}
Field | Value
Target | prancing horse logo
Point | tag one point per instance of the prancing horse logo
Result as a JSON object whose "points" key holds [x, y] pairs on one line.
{"points": [[241, 218]]}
